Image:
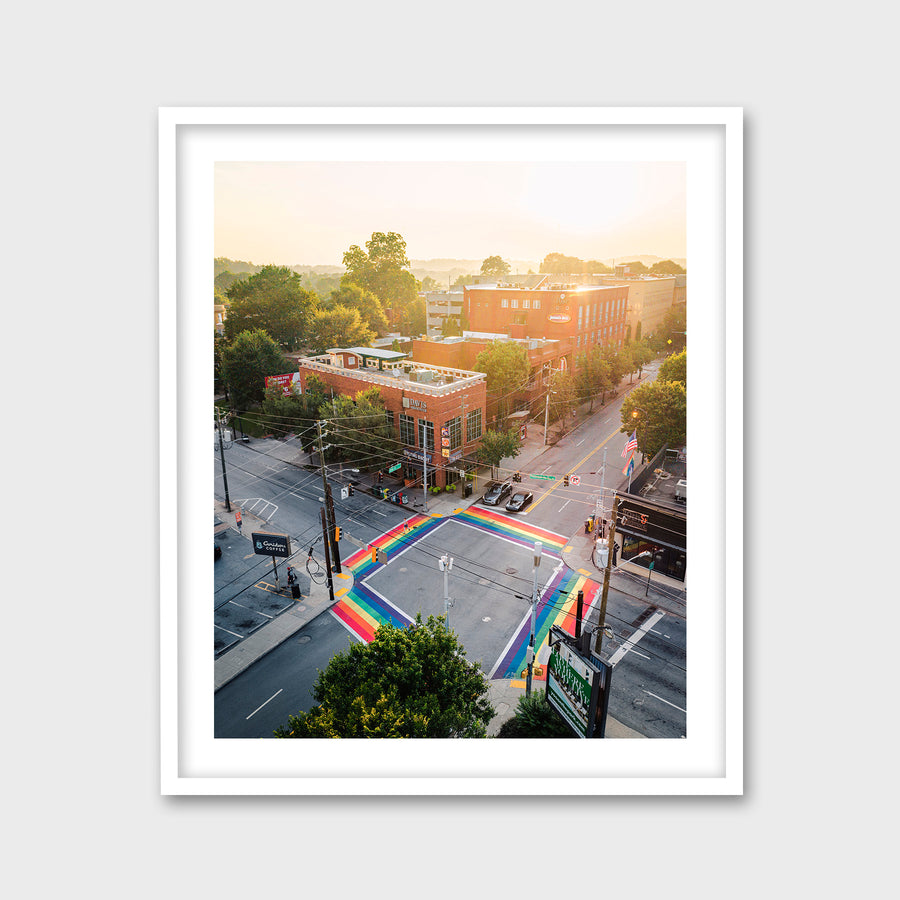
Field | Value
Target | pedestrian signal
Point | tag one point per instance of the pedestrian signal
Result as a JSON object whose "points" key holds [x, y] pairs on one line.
{"points": [[337, 532]]}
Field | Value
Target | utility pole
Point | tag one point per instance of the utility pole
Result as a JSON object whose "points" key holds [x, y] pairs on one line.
{"points": [[335, 552], [601, 497], [609, 557], [538, 550], [425, 468], [327, 554], [446, 564], [222, 454]]}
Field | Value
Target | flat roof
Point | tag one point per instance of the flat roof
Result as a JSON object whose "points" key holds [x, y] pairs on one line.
{"points": [[377, 352]]}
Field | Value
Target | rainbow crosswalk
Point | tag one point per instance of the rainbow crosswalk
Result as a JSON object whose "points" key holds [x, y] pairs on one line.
{"points": [[362, 610]]}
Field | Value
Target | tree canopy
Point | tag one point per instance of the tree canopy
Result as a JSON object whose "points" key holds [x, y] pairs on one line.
{"points": [[674, 368], [657, 411], [358, 430], [246, 362], [495, 267], [498, 445], [382, 269], [338, 326], [353, 296], [506, 365], [594, 375], [273, 299], [411, 682]]}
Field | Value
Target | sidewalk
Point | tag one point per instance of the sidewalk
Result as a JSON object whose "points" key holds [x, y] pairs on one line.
{"points": [[504, 694]]}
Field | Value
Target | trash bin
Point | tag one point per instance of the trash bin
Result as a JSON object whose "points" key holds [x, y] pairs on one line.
{"points": [[467, 489]]}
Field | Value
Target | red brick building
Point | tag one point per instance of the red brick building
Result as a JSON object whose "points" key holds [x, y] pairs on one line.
{"points": [[461, 352], [438, 411], [579, 316]]}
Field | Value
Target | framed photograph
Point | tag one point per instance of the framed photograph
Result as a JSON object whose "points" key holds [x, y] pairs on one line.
{"points": [[619, 190]]}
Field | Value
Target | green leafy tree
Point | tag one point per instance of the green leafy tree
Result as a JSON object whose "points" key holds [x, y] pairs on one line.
{"points": [[382, 269], [338, 326], [562, 397], [558, 264], [506, 365], [673, 330], [495, 267], [595, 267], [641, 354], [657, 411], [273, 300], [667, 267], [618, 365], [358, 430], [636, 267], [246, 362], [354, 296], [674, 368], [594, 375], [412, 682], [497, 446], [450, 327], [535, 718]]}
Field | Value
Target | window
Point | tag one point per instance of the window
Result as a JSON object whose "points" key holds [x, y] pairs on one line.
{"points": [[407, 430], [525, 304], [473, 425], [371, 363], [514, 303], [580, 311], [504, 303], [426, 435], [388, 418], [536, 304], [454, 426]]}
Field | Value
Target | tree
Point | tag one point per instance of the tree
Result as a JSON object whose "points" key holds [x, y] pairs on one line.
{"points": [[535, 718], [594, 375], [338, 326], [673, 330], [411, 682], [657, 411], [274, 300], [382, 269], [495, 267], [497, 446], [450, 327], [666, 267], [506, 365], [359, 432], [562, 397], [674, 368], [246, 362], [354, 296], [558, 264]]}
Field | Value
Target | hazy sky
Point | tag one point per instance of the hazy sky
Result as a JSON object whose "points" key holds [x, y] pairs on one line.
{"points": [[310, 213]]}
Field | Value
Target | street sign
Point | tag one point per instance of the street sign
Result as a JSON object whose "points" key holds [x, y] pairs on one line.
{"points": [[574, 479], [394, 467], [544, 477], [265, 544]]}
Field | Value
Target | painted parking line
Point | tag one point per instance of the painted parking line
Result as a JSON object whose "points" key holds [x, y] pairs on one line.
{"points": [[258, 708], [636, 637]]}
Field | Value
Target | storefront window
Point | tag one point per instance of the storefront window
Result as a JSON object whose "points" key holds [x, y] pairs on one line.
{"points": [[666, 560], [426, 435], [454, 426], [407, 430], [473, 425]]}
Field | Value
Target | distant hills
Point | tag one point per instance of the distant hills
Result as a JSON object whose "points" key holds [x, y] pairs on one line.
{"points": [[441, 269]]}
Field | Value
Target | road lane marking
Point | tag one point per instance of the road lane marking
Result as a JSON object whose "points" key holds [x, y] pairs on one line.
{"points": [[577, 466], [637, 636], [657, 697], [258, 708]]}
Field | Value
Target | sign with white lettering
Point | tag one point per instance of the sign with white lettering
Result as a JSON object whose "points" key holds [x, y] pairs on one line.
{"points": [[265, 544]]}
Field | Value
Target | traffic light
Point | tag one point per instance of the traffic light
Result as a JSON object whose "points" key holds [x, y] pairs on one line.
{"points": [[565, 480], [337, 532], [351, 490]]}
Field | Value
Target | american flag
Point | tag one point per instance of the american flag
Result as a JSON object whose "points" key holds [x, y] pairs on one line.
{"points": [[631, 446]]}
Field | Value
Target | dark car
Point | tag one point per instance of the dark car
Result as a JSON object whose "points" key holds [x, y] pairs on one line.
{"points": [[519, 500], [496, 492]]}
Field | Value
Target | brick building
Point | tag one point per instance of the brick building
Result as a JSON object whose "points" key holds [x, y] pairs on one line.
{"points": [[438, 411], [579, 316], [461, 352]]}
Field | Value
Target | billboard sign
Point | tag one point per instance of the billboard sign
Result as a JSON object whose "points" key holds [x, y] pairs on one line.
{"points": [[265, 544], [289, 383], [577, 688]]}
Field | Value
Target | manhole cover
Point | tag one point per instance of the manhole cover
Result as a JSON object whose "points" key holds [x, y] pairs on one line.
{"points": [[511, 571], [304, 640]]}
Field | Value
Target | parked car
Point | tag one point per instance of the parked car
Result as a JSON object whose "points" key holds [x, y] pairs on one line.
{"points": [[496, 491], [519, 500]]}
